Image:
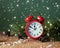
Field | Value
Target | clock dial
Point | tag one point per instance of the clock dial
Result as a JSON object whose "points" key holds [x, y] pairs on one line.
{"points": [[35, 29]]}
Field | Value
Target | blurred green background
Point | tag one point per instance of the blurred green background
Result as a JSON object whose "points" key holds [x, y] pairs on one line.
{"points": [[15, 11]]}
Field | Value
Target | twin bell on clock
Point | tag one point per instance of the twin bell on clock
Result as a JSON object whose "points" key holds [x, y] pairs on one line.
{"points": [[34, 27]]}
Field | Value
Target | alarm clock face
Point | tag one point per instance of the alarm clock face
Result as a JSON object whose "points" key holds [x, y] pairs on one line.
{"points": [[34, 29]]}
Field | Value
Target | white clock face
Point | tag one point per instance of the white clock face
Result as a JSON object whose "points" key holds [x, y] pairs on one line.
{"points": [[35, 29]]}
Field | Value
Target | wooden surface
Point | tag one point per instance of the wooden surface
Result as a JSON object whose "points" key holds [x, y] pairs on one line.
{"points": [[33, 44], [26, 43]]}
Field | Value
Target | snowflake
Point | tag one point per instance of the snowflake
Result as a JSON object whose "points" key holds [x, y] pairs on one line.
{"points": [[4, 10], [41, 14], [42, 0], [48, 34], [54, 6], [59, 19], [56, 27], [47, 8], [58, 33], [22, 26], [22, 3], [17, 5], [45, 26], [47, 1], [15, 35], [56, 3], [8, 20], [57, 10], [8, 7], [48, 17], [52, 3], [31, 7], [25, 8], [37, 5], [44, 14], [8, 29], [57, 6], [4, 18], [22, 14], [32, 3], [2, 6], [11, 25], [30, 10], [17, 0], [11, 4], [3, 32], [14, 17], [27, 1], [35, 10], [43, 6], [48, 21], [13, 9], [50, 24], [14, 1], [9, 10]]}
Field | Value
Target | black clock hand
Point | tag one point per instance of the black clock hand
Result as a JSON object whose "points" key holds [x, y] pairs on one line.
{"points": [[34, 24], [31, 27]]}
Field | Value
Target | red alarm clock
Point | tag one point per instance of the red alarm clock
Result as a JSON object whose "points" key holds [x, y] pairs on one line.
{"points": [[34, 28]]}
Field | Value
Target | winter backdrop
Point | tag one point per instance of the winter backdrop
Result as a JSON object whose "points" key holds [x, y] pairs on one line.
{"points": [[15, 11]]}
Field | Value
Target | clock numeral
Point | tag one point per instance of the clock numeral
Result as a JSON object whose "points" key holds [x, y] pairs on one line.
{"points": [[28, 29], [39, 26], [29, 32], [40, 29], [34, 35], [37, 34]]}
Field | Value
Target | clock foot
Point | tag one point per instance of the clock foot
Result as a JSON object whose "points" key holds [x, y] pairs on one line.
{"points": [[44, 39]]}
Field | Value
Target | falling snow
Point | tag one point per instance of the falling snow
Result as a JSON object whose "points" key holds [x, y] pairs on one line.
{"points": [[14, 17], [42, 0], [13, 9], [4, 10], [27, 1], [17, 5], [47, 8], [9, 10], [20, 9], [17, 0], [8, 29], [45, 26]]}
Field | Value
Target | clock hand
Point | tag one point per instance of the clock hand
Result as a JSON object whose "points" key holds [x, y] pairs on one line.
{"points": [[31, 27], [34, 24]]}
